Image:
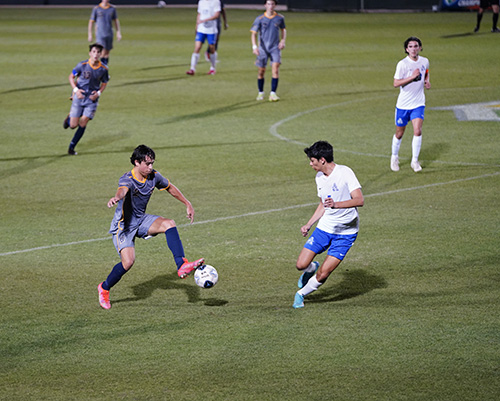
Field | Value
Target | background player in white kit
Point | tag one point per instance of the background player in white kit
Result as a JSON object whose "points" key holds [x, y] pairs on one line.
{"points": [[206, 29], [412, 75], [340, 195]]}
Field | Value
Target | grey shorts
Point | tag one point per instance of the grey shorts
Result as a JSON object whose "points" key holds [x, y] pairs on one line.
{"points": [[105, 41], [263, 57], [125, 238], [83, 107]]}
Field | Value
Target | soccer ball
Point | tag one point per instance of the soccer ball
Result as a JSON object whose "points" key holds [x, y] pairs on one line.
{"points": [[206, 276]]}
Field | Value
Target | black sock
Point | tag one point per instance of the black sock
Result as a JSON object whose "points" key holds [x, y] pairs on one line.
{"points": [[76, 138]]}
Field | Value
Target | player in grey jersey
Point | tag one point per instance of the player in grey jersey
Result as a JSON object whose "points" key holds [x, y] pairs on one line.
{"points": [[268, 26], [131, 220], [103, 16]]}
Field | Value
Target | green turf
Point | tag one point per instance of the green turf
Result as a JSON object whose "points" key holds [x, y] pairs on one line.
{"points": [[411, 314]]}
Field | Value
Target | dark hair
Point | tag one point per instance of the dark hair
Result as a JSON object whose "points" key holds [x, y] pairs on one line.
{"points": [[412, 39], [275, 2], [140, 154], [96, 45], [320, 149]]}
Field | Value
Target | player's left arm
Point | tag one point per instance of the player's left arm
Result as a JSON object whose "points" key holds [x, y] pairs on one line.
{"points": [[177, 194], [96, 94], [118, 30], [281, 45], [357, 200], [427, 79]]}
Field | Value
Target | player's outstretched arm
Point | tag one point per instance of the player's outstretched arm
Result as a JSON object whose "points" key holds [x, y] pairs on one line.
{"points": [[177, 194], [120, 194]]}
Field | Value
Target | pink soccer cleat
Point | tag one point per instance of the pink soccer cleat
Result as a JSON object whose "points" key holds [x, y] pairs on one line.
{"points": [[189, 267], [103, 297], [190, 72]]}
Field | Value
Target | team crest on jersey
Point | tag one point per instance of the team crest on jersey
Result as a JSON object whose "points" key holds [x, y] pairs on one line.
{"points": [[335, 188], [86, 75]]}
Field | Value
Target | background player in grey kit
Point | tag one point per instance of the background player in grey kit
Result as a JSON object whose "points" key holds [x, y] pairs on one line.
{"points": [[104, 15], [269, 26], [88, 79]]}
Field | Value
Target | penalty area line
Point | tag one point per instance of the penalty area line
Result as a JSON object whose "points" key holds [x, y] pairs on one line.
{"points": [[261, 212]]}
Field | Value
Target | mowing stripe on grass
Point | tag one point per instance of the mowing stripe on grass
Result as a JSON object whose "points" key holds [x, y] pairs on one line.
{"points": [[218, 219]]}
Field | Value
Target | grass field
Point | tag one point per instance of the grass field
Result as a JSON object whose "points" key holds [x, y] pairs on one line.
{"points": [[412, 312]]}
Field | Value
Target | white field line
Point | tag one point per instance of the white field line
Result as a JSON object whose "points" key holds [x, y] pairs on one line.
{"points": [[259, 213], [273, 130]]}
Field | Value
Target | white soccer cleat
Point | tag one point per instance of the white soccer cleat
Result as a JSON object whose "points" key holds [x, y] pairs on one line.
{"points": [[260, 96], [394, 163], [273, 97], [415, 165]]}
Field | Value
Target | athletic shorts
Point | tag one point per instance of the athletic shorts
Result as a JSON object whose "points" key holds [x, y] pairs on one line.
{"points": [[402, 117], [126, 238], [338, 245], [83, 107], [263, 57], [210, 37], [487, 3], [105, 41]]}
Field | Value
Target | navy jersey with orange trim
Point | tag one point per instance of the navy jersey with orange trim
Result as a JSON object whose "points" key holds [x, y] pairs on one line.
{"points": [[131, 209], [269, 30], [89, 77]]}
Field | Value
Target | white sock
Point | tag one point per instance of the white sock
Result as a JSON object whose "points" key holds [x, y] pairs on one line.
{"points": [[213, 60], [396, 143], [416, 145], [310, 268], [194, 60], [312, 285]]}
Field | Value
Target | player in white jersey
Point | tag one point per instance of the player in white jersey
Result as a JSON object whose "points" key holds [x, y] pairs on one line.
{"points": [[411, 77], [206, 29], [340, 195]]}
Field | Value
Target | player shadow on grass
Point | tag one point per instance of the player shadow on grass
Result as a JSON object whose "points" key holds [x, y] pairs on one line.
{"points": [[353, 284], [171, 282]]}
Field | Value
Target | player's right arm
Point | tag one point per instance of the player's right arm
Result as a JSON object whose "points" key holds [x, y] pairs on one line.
{"points": [[120, 194], [91, 23], [320, 211], [76, 90], [406, 81], [255, 48]]}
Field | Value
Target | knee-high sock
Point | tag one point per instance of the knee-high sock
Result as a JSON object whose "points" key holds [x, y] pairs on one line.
{"points": [[76, 138], [274, 84], [115, 276], [416, 145], [495, 20], [396, 144], [213, 60], [175, 244], [312, 285], [260, 84], [194, 60]]}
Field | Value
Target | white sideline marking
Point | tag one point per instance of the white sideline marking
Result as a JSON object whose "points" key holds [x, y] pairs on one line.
{"points": [[273, 130], [258, 213]]}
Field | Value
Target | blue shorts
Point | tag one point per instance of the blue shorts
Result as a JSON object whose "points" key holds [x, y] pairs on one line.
{"points": [[338, 245], [125, 238], [83, 107], [402, 117], [263, 57], [210, 37]]}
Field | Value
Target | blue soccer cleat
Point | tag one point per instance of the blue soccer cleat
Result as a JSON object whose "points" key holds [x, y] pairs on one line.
{"points": [[304, 278], [299, 301]]}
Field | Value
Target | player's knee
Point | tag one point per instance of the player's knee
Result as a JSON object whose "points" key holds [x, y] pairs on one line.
{"points": [[167, 224]]}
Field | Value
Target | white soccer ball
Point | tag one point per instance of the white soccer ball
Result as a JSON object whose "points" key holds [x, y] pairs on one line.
{"points": [[206, 276]]}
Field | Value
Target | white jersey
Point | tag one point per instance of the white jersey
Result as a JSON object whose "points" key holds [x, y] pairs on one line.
{"points": [[207, 9], [338, 185], [411, 95]]}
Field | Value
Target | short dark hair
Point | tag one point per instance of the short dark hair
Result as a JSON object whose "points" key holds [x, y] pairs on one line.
{"points": [[97, 45], [320, 149], [140, 154], [412, 39]]}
